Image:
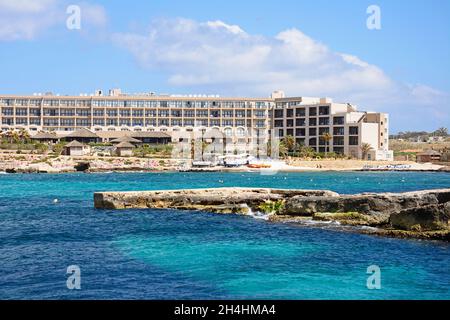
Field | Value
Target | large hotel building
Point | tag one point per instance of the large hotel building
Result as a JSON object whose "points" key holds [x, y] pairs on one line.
{"points": [[243, 120]]}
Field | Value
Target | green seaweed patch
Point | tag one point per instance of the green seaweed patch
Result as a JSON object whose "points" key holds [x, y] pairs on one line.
{"points": [[272, 207]]}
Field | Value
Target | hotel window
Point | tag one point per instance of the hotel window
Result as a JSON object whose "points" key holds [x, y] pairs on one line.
{"points": [[290, 132], [52, 103], [176, 123], [301, 112], [99, 122], [130, 104], [8, 102], [338, 141], [35, 122], [83, 122], [111, 113], [300, 132], [67, 122], [227, 123], [81, 103], [339, 131], [21, 102], [150, 122], [202, 113], [7, 111], [189, 122], [322, 131], [353, 131], [51, 112], [313, 111], [300, 122], [83, 112], [313, 142], [176, 113], [279, 124], [300, 142], [138, 122], [202, 123], [138, 113], [163, 104], [240, 123], [22, 121], [35, 112], [279, 113], [99, 113], [214, 123], [125, 113], [164, 122], [51, 122], [21, 112], [240, 114], [8, 121], [312, 131], [353, 141], [227, 113], [111, 122], [260, 114], [189, 113], [339, 150], [290, 123], [150, 113], [338, 120], [324, 121], [125, 122], [260, 105], [260, 124], [313, 121], [289, 113], [35, 103], [215, 114], [324, 111]]}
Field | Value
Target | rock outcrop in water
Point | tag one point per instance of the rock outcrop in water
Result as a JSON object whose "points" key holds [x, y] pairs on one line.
{"points": [[222, 200], [420, 214]]}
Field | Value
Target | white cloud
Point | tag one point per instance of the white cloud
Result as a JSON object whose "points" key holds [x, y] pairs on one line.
{"points": [[24, 19], [216, 53], [224, 58], [27, 19], [25, 6]]}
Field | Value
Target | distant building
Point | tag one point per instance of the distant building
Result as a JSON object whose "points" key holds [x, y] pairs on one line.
{"points": [[161, 119], [76, 148], [428, 156], [124, 149]]}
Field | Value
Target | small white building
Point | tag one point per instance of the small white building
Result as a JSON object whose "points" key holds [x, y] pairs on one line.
{"points": [[76, 148], [124, 149]]}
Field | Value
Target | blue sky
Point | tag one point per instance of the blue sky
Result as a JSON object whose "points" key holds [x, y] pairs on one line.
{"points": [[234, 47]]}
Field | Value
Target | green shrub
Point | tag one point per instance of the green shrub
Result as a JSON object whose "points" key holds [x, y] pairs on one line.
{"points": [[272, 207]]}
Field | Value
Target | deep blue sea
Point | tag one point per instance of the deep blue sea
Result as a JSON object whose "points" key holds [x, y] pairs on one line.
{"points": [[151, 254]]}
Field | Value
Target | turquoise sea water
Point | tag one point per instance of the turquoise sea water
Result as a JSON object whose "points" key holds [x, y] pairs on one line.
{"points": [[151, 254]]}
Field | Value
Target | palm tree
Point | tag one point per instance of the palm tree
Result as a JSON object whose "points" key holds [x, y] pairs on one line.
{"points": [[24, 136], [283, 149], [365, 148], [327, 138], [289, 143]]}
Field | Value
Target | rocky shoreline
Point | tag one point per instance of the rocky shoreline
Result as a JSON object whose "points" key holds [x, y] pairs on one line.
{"points": [[420, 214]]}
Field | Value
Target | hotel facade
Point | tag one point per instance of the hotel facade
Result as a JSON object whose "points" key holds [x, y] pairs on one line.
{"points": [[244, 121]]}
